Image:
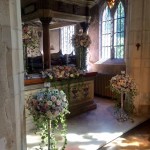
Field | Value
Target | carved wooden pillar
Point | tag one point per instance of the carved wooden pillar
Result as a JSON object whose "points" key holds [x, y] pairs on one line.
{"points": [[46, 42]]}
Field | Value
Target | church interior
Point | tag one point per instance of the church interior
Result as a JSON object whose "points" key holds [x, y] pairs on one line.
{"points": [[80, 47]]}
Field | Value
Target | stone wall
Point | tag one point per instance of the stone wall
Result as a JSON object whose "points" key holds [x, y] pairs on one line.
{"points": [[11, 77], [138, 60]]}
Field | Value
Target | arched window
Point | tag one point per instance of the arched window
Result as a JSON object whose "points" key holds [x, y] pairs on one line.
{"points": [[112, 33], [106, 33]]}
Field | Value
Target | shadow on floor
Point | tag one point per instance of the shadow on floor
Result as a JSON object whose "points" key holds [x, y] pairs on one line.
{"points": [[93, 129], [137, 138]]}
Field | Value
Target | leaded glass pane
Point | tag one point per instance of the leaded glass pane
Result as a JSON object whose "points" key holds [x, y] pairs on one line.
{"points": [[66, 35], [106, 33], [118, 52], [119, 19]]}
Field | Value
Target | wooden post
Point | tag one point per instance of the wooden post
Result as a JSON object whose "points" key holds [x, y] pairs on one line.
{"points": [[84, 26], [46, 42]]}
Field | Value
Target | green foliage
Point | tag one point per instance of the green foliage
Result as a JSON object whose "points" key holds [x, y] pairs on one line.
{"points": [[49, 108], [128, 101], [57, 126], [81, 56]]}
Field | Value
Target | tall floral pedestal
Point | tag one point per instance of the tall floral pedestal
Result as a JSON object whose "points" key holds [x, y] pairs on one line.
{"points": [[120, 114], [125, 87], [81, 58], [48, 108]]}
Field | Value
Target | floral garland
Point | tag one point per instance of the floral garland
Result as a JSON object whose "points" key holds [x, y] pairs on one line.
{"points": [[61, 72], [45, 105], [81, 39], [31, 40]]}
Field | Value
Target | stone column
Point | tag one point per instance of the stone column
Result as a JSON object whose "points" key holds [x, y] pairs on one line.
{"points": [[12, 126], [46, 42], [138, 51]]}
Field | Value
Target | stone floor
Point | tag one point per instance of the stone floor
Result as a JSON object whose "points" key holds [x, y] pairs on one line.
{"points": [[137, 138], [94, 129]]}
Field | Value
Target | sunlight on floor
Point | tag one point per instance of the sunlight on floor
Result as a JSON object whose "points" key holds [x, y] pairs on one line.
{"points": [[89, 147], [89, 141], [105, 136], [131, 142], [72, 137], [91, 130]]}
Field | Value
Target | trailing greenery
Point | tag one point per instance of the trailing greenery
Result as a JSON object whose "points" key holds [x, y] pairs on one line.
{"points": [[58, 126], [49, 108], [81, 57], [128, 102]]}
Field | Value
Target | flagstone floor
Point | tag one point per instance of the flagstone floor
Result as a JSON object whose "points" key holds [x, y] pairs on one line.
{"points": [[92, 130]]}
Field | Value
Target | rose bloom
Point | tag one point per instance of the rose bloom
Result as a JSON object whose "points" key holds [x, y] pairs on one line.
{"points": [[58, 103], [60, 76], [53, 98], [72, 75], [51, 77]]}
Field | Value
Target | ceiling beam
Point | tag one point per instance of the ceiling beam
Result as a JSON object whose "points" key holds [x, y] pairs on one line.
{"points": [[54, 14]]}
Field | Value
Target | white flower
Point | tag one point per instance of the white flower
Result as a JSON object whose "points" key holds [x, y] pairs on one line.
{"points": [[71, 75], [49, 103], [58, 102]]}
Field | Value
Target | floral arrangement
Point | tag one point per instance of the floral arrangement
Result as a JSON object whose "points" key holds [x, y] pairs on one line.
{"points": [[123, 83], [31, 40], [61, 72], [124, 89], [49, 105], [81, 40]]}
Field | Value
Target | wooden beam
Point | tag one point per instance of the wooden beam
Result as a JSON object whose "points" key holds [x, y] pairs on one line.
{"points": [[58, 25], [54, 14]]}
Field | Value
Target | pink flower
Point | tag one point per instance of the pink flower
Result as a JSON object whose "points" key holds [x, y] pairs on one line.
{"points": [[53, 98], [58, 103]]}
